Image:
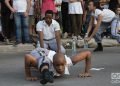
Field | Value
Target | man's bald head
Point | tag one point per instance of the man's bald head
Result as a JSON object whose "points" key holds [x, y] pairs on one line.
{"points": [[58, 56], [59, 62]]}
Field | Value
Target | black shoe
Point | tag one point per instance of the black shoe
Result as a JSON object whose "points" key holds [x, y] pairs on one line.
{"points": [[47, 76], [16, 44], [99, 48]]}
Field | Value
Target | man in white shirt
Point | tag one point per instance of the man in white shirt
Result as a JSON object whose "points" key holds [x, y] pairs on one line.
{"points": [[49, 33], [50, 63], [20, 9], [102, 19]]}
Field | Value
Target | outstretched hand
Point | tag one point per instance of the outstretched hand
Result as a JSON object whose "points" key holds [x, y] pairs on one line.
{"points": [[87, 39]]}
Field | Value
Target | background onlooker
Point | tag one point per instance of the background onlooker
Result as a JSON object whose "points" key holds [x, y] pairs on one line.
{"points": [[6, 22], [37, 10], [115, 26], [47, 5], [32, 18], [66, 22], [2, 38], [76, 11], [20, 9], [103, 19], [58, 15]]}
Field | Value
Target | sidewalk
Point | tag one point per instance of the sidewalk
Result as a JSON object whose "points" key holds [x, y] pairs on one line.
{"points": [[66, 43], [92, 44]]}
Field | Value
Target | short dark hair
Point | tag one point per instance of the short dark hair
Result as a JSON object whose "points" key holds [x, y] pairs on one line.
{"points": [[49, 12], [96, 3]]}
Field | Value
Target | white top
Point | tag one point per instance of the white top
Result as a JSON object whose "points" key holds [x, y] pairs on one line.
{"points": [[75, 8], [68, 62], [31, 11], [48, 31], [20, 5], [58, 8], [115, 27], [107, 14]]}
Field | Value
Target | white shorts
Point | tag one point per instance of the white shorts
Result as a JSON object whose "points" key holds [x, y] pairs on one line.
{"points": [[75, 8], [41, 56]]}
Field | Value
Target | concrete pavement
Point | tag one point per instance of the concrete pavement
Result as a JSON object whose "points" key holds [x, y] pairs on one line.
{"points": [[12, 70]]}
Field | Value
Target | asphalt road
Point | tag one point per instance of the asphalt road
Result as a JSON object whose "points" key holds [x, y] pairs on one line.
{"points": [[103, 64]]}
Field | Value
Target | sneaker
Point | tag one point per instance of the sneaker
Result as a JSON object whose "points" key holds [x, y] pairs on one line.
{"points": [[65, 35], [17, 44], [79, 37], [99, 48], [7, 41], [47, 76]]}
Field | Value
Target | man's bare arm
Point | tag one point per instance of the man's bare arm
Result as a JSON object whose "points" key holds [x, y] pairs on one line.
{"points": [[28, 5], [84, 56], [7, 2], [90, 24], [28, 8], [41, 39], [28, 63], [100, 17], [58, 40]]}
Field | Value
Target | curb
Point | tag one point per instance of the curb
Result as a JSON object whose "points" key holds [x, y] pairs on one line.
{"points": [[80, 44]]}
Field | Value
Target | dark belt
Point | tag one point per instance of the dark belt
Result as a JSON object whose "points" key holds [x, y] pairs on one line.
{"points": [[48, 39]]}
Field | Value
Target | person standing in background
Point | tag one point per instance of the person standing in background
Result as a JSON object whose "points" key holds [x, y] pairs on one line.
{"points": [[76, 11], [66, 22], [31, 18], [37, 10], [2, 38], [115, 26], [6, 22], [58, 15], [20, 9], [47, 5]]}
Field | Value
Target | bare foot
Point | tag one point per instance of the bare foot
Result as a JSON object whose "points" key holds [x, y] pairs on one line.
{"points": [[31, 78], [84, 75]]}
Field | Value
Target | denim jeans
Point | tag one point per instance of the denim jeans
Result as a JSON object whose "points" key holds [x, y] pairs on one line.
{"points": [[22, 30], [101, 29], [52, 45]]}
